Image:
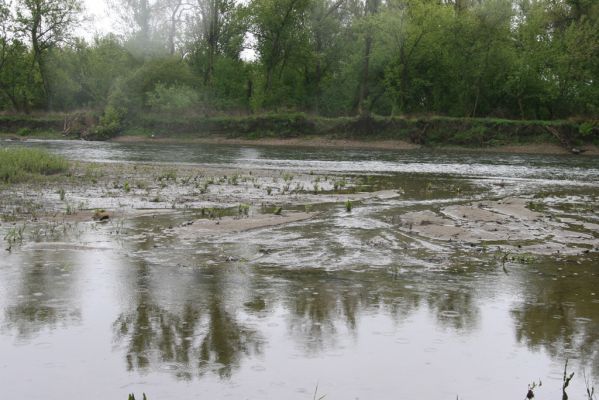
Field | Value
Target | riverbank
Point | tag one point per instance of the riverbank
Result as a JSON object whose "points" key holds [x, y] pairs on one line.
{"points": [[393, 133], [319, 142]]}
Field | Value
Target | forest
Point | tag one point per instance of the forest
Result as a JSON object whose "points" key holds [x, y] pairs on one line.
{"points": [[512, 59]]}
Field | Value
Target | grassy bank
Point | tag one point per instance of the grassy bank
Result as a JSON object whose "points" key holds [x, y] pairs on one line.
{"points": [[19, 164], [427, 131]]}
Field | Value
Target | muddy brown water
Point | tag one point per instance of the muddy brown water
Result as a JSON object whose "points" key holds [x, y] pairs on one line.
{"points": [[368, 304]]}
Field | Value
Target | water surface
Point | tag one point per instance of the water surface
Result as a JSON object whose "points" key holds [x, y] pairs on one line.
{"points": [[343, 302]]}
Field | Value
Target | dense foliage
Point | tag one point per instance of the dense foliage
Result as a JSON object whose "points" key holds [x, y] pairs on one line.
{"points": [[524, 59]]}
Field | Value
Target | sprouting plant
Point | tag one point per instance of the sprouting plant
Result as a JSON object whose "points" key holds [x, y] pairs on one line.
{"points": [[589, 388], [566, 381], [316, 397], [530, 394], [244, 209], [268, 190], [126, 187], [170, 175], [14, 236], [429, 187], [348, 205], [287, 177], [62, 194], [132, 397], [278, 211], [142, 185], [234, 180]]}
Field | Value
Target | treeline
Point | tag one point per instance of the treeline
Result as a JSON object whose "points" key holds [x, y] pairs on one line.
{"points": [[519, 59]]}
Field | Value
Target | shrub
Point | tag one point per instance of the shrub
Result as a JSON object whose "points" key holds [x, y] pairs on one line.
{"points": [[172, 98]]}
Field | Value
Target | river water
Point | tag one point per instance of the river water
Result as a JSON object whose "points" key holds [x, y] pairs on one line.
{"points": [[343, 304]]}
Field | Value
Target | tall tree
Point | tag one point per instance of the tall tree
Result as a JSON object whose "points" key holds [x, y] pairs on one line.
{"points": [[5, 23], [47, 24], [216, 31], [370, 8], [279, 29], [326, 20], [137, 21]]}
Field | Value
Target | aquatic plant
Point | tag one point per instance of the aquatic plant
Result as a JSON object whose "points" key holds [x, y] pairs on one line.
{"points": [[316, 397], [22, 164], [126, 187], [244, 209], [348, 205], [14, 236], [233, 180], [530, 394], [566, 381], [170, 175], [132, 397], [278, 211], [287, 177], [62, 194], [590, 389]]}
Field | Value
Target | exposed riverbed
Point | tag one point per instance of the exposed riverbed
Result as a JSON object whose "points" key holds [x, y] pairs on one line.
{"points": [[264, 273]]}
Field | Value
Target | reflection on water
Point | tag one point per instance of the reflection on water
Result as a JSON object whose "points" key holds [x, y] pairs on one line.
{"points": [[559, 313], [39, 297], [347, 301], [198, 334]]}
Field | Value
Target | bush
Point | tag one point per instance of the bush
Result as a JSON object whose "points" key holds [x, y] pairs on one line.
{"points": [[21, 164], [24, 132], [172, 98]]}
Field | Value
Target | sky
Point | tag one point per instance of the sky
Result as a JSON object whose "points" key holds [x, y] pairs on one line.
{"points": [[100, 21]]}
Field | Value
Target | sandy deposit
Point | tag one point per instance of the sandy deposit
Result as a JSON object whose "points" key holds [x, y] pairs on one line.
{"points": [[508, 222]]}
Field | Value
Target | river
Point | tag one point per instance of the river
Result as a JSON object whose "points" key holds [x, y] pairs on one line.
{"points": [[351, 305]]}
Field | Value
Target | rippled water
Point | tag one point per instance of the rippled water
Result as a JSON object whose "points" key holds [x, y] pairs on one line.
{"points": [[343, 303]]}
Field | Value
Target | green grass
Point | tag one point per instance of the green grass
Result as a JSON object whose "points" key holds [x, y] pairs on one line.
{"points": [[22, 164]]}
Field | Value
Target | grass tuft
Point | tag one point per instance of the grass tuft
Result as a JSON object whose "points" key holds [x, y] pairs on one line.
{"points": [[22, 164]]}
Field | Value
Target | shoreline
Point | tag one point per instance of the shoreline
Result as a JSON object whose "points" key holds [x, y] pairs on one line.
{"points": [[329, 143], [322, 142]]}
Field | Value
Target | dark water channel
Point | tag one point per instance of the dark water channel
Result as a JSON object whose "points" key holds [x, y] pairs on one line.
{"points": [[343, 302]]}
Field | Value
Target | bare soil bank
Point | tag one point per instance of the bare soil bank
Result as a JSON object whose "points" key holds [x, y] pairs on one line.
{"points": [[320, 142], [307, 130]]}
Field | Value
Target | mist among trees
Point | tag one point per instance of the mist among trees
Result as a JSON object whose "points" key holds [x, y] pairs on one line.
{"points": [[520, 59]]}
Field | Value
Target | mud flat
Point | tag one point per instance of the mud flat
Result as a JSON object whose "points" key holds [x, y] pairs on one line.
{"points": [[509, 223]]}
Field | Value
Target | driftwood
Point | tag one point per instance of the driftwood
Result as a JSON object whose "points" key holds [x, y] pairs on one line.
{"points": [[77, 124]]}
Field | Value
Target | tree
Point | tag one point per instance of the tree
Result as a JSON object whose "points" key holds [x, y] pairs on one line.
{"points": [[47, 24], [371, 8], [173, 11], [5, 22], [326, 26], [217, 30], [138, 22], [279, 29]]}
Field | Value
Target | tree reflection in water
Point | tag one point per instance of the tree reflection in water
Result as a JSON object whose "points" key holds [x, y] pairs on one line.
{"points": [[201, 336], [559, 313], [42, 297]]}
